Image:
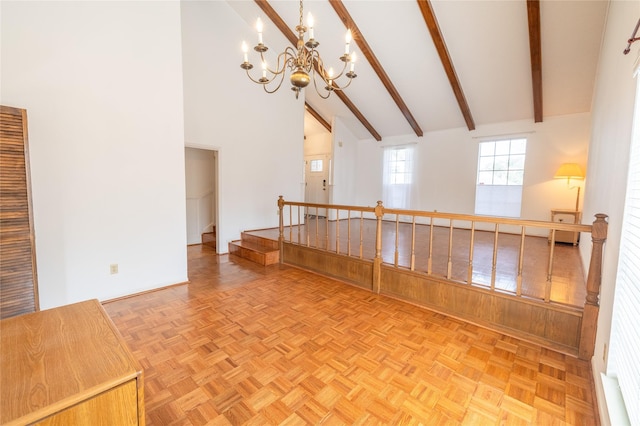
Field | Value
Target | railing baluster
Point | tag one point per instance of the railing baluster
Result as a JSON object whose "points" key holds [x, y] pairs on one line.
{"points": [[290, 223], [395, 254], [377, 260], [494, 262], [299, 225], [307, 222], [326, 225], [449, 255], [520, 263], [317, 228], [281, 228], [413, 244], [430, 259], [471, 243], [348, 232], [337, 231], [547, 287], [361, 231]]}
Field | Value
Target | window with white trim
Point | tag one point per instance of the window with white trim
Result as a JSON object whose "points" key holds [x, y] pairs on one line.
{"points": [[398, 179], [625, 335], [500, 177]]}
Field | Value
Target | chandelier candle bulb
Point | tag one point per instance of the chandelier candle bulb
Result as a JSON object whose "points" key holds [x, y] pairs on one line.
{"points": [[347, 39], [310, 25], [259, 27], [353, 61], [264, 69], [245, 50]]}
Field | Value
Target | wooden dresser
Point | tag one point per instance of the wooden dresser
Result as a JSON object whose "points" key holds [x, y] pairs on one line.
{"points": [[68, 366]]}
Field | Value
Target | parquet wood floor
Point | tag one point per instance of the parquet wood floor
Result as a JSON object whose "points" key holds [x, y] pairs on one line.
{"points": [[246, 344]]}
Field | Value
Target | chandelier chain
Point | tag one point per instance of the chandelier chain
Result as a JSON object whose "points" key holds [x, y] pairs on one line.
{"points": [[301, 13]]}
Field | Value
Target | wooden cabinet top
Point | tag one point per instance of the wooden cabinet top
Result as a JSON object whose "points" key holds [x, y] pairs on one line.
{"points": [[55, 358]]}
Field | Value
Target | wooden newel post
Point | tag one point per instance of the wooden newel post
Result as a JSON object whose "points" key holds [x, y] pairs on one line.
{"points": [[377, 260], [281, 227], [594, 280]]}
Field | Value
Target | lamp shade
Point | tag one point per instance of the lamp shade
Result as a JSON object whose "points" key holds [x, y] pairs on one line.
{"points": [[569, 171]]}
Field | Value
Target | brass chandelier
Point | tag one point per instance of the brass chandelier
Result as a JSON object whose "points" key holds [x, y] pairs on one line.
{"points": [[304, 63]]}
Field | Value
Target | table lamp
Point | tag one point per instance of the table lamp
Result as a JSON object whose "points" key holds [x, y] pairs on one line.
{"points": [[570, 171]]}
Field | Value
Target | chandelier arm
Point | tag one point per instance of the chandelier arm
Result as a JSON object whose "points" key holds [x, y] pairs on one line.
{"points": [[318, 90], [322, 72], [253, 79], [341, 73], [336, 87], [278, 70], [264, 85]]}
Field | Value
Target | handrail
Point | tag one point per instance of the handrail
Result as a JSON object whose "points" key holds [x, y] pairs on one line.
{"points": [[560, 226], [598, 232]]}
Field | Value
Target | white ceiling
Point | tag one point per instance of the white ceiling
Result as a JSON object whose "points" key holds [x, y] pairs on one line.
{"points": [[488, 42]]}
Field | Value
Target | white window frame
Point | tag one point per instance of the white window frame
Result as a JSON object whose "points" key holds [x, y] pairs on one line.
{"points": [[500, 177], [398, 176], [623, 363]]}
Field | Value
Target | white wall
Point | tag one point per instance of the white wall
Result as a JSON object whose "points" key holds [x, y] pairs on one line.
{"points": [[612, 114], [200, 192], [258, 136], [319, 143], [447, 165], [345, 172], [102, 85]]}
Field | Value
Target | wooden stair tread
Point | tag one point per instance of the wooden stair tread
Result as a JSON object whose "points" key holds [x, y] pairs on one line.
{"points": [[263, 251], [250, 245]]}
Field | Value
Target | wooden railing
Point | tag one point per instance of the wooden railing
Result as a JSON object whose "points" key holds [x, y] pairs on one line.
{"points": [[364, 233]]}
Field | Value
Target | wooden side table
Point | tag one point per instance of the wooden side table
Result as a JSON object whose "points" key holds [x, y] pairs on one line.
{"points": [[68, 365], [566, 216]]}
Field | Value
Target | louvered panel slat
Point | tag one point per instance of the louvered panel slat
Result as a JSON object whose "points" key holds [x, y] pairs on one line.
{"points": [[18, 279]]}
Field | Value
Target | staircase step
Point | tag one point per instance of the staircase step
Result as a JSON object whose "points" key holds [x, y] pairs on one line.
{"points": [[209, 239], [256, 252], [265, 243]]}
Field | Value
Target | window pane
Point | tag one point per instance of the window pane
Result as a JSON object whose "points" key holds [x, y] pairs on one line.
{"points": [[516, 177], [485, 178], [316, 165], [500, 177], [487, 148], [516, 162], [486, 163], [502, 147], [502, 162]]}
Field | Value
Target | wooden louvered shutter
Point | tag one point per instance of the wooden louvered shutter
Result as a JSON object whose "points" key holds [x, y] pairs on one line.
{"points": [[18, 278]]}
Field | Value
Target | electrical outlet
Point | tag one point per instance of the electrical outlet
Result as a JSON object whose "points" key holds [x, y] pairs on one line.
{"points": [[113, 268]]}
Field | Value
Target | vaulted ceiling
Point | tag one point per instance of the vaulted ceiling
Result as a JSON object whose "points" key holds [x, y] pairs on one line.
{"points": [[433, 65]]}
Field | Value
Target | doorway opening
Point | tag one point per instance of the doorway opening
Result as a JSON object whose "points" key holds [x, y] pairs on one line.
{"points": [[201, 182]]}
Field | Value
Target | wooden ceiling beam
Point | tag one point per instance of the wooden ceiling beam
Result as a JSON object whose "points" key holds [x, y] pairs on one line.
{"points": [[535, 48], [293, 39], [349, 23], [318, 117], [434, 29]]}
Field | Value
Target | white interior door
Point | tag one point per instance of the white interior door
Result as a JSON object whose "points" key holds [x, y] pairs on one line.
{"points": [[316, 182]]}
